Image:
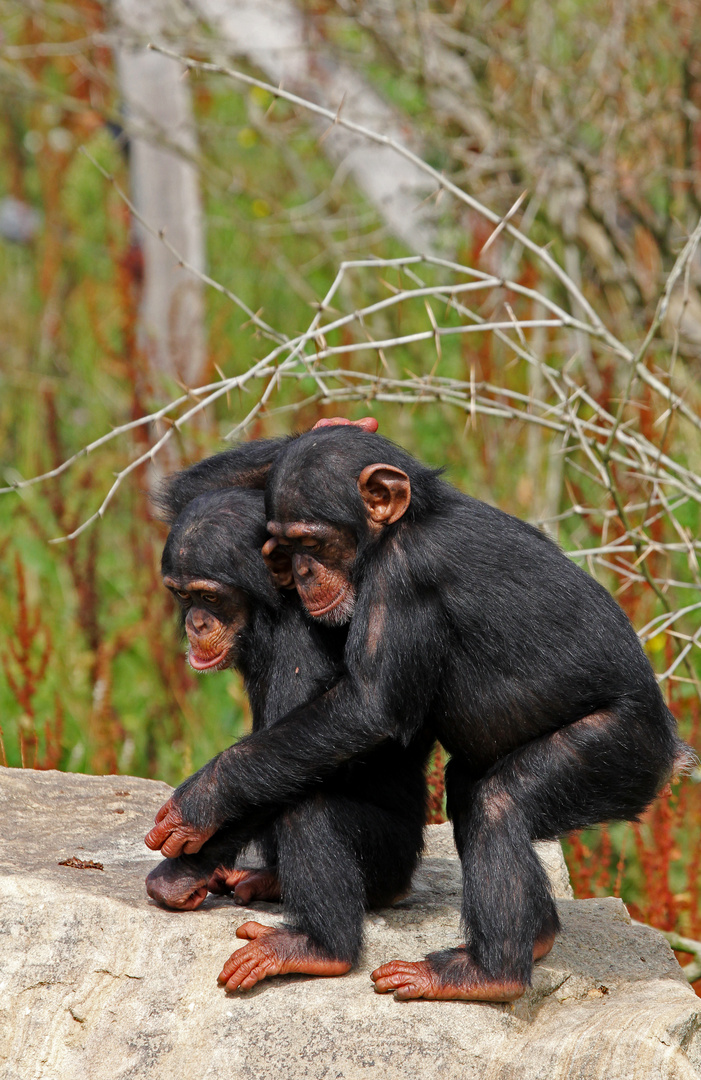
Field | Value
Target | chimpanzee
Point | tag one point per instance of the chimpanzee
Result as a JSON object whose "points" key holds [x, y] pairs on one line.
{"points": [[465, 618], [343, 843]]}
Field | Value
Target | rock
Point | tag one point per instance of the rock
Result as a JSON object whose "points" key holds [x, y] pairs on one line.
{"points": [[96, 981]]}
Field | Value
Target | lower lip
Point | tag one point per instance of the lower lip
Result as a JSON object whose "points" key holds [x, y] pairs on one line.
{"points": [[206, 665], [329, 607]]}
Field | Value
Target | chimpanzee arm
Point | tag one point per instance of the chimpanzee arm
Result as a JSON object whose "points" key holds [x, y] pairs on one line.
{"points": [[393, 668], [244, 466]]}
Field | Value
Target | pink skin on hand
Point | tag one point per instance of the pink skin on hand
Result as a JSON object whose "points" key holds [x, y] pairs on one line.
{"points": [[174, 836], [367, 423]]}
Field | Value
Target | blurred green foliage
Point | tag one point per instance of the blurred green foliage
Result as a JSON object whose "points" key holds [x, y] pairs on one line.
{"points": [[100, 699], [92, 671]]}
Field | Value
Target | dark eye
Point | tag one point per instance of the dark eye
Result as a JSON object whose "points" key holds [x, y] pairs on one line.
{"points": [[210, 598], [182, 595]]}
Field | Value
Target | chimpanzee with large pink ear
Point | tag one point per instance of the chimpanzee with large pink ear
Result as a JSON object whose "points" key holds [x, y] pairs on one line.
{"points": [[465, 621]]}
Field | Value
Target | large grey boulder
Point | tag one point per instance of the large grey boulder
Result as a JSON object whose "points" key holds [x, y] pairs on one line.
{"points": [[97, 982]]}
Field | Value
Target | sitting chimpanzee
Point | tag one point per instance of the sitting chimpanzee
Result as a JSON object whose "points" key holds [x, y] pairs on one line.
{"points": [[466, 620], [345, 842]]}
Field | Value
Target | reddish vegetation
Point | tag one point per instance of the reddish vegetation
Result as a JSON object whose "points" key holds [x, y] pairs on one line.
{"points": [[436, 787], [658, 860]]}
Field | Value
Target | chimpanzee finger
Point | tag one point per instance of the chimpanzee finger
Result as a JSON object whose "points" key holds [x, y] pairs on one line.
{"points": [[177, 842], [173, 845], [191, 902], [197, 839], [366, 423], [253, 930], [198, 897], [168, 818], [158, 834], [165, 809], [218, 882], [244, 892], [391, 976], [224, 881], [259, 972], [408, 992]]}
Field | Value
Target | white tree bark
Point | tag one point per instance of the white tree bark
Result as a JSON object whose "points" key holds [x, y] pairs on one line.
{"points": [[165, 189], [273, 35]]}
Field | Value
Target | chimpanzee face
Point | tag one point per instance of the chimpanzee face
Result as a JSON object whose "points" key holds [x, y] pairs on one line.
{"points": [[316, 559], [215, 616]]}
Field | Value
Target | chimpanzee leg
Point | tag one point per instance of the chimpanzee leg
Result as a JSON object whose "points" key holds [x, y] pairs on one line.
{"points": [[508, 912], [336, 856], [323, 888], [597, 768]]}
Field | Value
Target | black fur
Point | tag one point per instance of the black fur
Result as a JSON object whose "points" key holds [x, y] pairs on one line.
{"points": [[535, 680], [528, 671], [246, 466], [342, 842]]}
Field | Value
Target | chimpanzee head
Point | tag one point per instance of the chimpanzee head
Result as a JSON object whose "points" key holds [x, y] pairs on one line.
{"points": [[332, 495], [213, 566]]}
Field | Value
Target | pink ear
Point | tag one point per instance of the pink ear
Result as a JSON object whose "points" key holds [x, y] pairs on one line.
{"points": [[386, 492]]}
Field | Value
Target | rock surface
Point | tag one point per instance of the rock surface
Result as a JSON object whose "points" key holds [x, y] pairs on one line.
{"points": [[96, 981]]}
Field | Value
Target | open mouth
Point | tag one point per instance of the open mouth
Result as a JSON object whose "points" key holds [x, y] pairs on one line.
{"points": [[201, 663]]}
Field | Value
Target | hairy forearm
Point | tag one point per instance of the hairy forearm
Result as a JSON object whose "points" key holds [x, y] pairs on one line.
{"points": [[272, 766]]}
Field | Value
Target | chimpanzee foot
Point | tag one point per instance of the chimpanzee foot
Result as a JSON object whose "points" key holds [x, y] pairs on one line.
{"points": [[543, 945], [275, 952], [541, 948], [446, 976], [175, 885], [246, 885]]}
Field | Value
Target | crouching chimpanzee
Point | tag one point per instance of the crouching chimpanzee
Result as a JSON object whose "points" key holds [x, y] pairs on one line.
{"points": [[342, 843], [468, 620]]}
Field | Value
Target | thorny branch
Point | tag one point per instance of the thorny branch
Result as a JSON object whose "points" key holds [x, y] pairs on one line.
{"points": [[450, 301]]}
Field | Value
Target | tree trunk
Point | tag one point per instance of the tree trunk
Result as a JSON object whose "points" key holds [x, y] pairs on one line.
{"points": [[165, 190]]}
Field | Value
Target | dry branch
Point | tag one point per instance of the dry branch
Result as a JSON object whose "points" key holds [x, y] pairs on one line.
{"points": [[608, 449]]}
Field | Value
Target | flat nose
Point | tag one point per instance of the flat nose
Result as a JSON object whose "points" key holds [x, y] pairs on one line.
{"points": [[200, 620]]}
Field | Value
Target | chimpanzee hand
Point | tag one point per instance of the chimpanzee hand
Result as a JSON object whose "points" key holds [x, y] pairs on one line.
{"points": [[279, 563], [367, 423], [175, 836], [245, 885]]}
